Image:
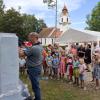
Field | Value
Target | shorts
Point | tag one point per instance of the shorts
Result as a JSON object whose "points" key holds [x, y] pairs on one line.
{"points": [[55, 71], [22, 69], [76, 72], [82, 77]]}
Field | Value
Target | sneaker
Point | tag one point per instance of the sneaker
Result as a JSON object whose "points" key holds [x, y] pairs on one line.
{"points": [[84, 88], [51, 78], [97, 88], [46, 78], [58, 79], [70, 83]]}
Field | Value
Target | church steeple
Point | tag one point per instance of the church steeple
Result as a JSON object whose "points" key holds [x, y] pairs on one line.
{"points": [[64, 18], [65, 10]]}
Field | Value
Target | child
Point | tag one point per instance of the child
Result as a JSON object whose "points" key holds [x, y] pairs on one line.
{"points": [[22, 63], [62, 64], [69, 68], [44, 53], [49, 60], [55, 66], [76, 70], [82, 73], [97, 70]]}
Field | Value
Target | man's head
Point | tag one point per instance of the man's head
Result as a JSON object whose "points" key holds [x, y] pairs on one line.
{"points": [[33, 37]]}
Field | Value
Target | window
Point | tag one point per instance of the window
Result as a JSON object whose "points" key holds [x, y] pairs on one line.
{"points": [[62, 20], [45, 40], [52, 41]]}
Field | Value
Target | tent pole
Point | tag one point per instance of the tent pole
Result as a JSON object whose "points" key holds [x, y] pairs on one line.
{"points": [[92, 49], [98, 43]]}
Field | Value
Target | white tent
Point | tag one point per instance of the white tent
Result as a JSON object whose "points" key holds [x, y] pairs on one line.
{"points": [[73, 35]]}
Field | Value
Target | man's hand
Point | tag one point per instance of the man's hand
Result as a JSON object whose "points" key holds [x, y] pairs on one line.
{"points": [[21, 52]]}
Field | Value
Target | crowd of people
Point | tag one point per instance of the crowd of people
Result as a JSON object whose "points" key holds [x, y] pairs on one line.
{"points": [[69, 62], [72, 63]]}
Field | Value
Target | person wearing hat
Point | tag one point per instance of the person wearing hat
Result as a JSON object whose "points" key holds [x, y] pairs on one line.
{"points": [[34, 62]]}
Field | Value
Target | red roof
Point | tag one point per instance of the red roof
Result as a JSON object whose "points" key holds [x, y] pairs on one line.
{"points": [[50, 33]]}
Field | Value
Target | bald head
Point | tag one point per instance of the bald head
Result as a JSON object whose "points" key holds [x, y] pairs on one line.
{"points": [[34, 34], [33, 37]]}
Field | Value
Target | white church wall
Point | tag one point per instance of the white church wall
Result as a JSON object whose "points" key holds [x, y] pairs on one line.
{"points": [[49, 41], [46, 41]]}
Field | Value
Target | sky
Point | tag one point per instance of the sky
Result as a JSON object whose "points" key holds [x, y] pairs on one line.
{"points": [[78, 10]]}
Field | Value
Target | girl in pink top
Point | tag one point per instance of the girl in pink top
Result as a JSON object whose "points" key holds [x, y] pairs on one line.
{"points": [[82, 71], [62, 64], [69, 68]]}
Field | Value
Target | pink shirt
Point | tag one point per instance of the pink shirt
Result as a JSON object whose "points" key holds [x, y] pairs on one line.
{"points": [[63, 59], [82, 68]]}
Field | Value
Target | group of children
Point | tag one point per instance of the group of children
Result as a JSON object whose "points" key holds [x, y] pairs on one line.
{"points": [[58, 65]]}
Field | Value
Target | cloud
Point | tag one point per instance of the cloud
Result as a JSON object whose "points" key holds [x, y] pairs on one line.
{"points": [[78, 23], [72, 5], [26, 5], [40, 15], [40, 10]]}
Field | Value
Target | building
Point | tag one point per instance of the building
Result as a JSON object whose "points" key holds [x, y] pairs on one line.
{"points": [[49, 35], [64, 19]]}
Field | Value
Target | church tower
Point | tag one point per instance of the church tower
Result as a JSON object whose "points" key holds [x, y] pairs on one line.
{"points": [[64, 19]]}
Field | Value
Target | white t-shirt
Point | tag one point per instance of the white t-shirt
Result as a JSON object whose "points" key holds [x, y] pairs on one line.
{"points": [[82, 68], [22, 62]]}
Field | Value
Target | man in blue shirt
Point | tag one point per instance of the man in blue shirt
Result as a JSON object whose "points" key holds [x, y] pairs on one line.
{"points": [[34, 63]]}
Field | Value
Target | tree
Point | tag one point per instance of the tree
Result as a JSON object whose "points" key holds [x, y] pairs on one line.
{"points": [[1, 7], [11, 22], [93, 20], [41, 24], [29, 23], [1, 13]]}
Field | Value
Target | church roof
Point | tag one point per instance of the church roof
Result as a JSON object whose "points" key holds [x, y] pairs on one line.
{"points": [[57, 33], [50, 33], [45, 32]]}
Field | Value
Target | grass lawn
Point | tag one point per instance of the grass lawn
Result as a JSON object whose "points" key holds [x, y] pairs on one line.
{"points": [[57, 90]]}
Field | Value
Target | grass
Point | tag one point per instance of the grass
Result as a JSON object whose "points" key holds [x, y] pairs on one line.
{"points": [[57, 90]]}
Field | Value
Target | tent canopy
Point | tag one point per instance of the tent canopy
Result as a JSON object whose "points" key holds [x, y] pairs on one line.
{"points": [[73, 35]]}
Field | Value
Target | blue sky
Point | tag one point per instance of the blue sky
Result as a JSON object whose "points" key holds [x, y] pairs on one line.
{"points": [[78, 9]]}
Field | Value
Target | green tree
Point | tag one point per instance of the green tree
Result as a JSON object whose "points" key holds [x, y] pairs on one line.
{"points": [[12, 21], [1, 7], [1, 13], [29, 23], [93, 20], [41, 24]]}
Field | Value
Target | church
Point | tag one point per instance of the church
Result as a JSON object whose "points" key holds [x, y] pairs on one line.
{"points": [[64, 34], [49, 35]]}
